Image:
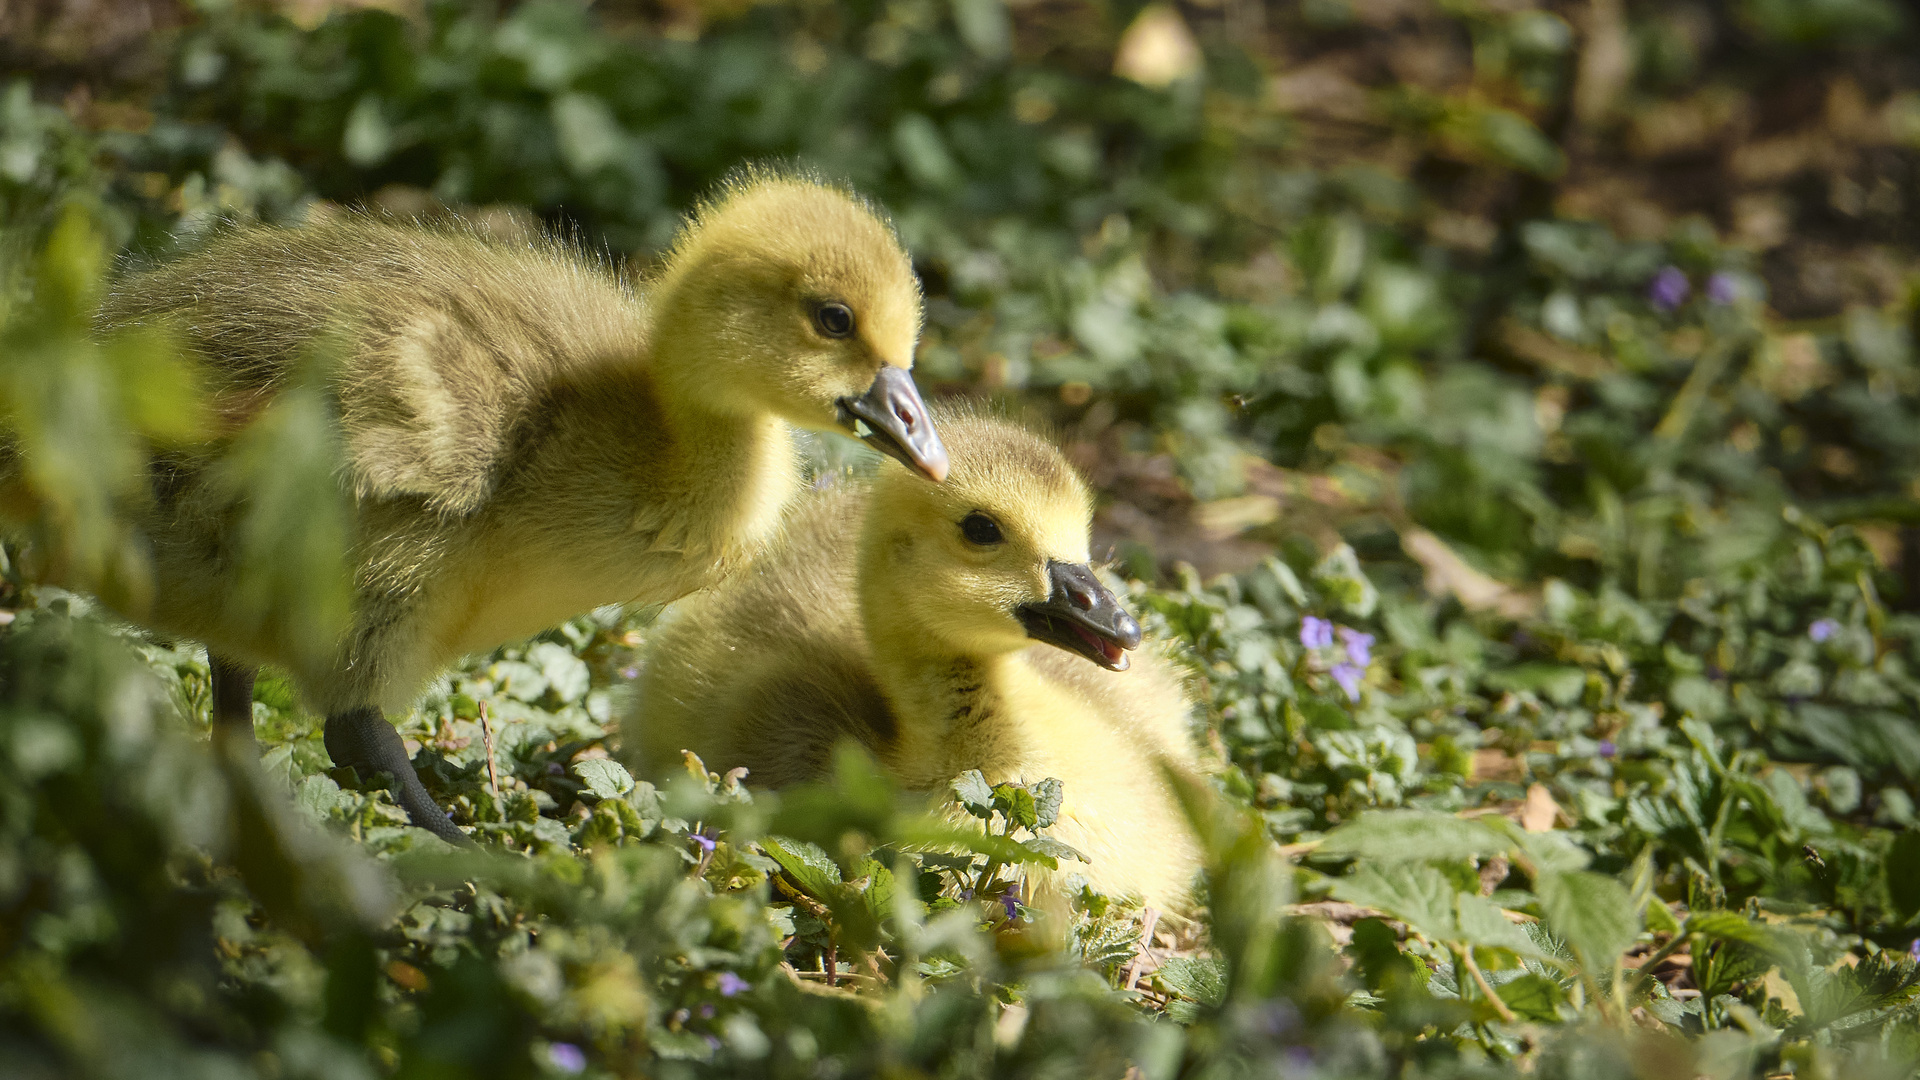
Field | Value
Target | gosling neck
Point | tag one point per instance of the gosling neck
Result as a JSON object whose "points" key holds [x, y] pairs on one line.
{"points": [[950, 706]]}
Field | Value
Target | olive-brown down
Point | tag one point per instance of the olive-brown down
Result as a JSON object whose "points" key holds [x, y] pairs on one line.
{"points": [[873, 618]]}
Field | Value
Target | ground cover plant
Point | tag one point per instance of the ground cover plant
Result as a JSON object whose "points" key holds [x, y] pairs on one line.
{"points": [[1508, 407]]}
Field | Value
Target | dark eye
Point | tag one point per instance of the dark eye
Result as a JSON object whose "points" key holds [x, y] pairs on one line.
{"points": [[980, 529], [834, 319]]}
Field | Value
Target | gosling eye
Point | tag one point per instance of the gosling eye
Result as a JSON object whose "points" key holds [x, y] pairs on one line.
{"points": [[834, 319], [980, 529]]}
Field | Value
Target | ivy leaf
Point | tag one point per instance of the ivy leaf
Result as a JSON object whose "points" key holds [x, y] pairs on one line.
{"points": [[1016, 802], [605, 777], [1047, 796], [971, 789], [1047, 845]]}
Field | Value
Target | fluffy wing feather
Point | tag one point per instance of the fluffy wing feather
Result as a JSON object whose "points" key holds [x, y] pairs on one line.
{"points": [[438, 343]]}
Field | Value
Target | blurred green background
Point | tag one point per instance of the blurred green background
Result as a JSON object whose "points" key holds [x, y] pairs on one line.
{"points": [[1566, 348]]}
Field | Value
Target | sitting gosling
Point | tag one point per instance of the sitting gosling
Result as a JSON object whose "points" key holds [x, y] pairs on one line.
{"points": [[526, 437], [906, 617]]}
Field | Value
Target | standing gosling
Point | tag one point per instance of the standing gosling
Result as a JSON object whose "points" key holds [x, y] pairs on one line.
{"points": [[526, 437], [906, 618]]}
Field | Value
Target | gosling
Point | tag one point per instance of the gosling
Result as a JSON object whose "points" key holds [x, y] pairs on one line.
{"points": [[527, 435], [944, 628]]}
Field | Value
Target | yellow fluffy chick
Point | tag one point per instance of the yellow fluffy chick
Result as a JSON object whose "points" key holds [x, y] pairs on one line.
{"points": [[946, 628], [528, 436]]}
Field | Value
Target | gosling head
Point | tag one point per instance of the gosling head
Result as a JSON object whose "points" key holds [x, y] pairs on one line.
{"points": [[787, 296], [995, 558]]}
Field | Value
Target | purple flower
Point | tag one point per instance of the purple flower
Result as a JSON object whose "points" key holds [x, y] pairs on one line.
{"points": [[1607, 749], [1011, 901], [1316, 633], [566, 1057], [1359, 646], [631, 671], [706, 1011], [1822, 629], [1669, 288], [1913, 950], [1348, 677], [731, 984], [1277, 1018], [1723, 288], [701, 838]]}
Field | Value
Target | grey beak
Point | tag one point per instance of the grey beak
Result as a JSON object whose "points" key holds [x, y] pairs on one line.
{"points": [[898, 423], [1082, 616]]}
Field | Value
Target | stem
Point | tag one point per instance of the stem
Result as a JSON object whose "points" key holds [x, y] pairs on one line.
{"points": [[1653, 960], [493, 775], [1466, 960], [1148, 920]]}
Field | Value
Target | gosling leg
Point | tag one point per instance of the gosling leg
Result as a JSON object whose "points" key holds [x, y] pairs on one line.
{"points": [[362, 738], [232, 701]]}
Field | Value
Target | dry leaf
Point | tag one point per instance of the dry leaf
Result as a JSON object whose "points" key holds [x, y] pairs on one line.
{"points": [[1157, 49], [1540, 810]]}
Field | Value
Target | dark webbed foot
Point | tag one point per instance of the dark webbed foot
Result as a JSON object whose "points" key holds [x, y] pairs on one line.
{"points": [[363, 739], [232, 700]]}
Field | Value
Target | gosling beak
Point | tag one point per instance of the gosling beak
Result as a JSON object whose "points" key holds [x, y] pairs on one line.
{"points": [[893, 419], [1082, 616]]}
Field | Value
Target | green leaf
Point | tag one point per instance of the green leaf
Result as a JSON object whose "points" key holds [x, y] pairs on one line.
{"points": [[808, 864], [605, 777], [1482, 926], [1016, 802], [1340, 577], [1532, 997], [1902, 864], [1047, 845], [1417, 895], [971, 789], [1399, 836], [1047, 796], [1733, 926], [1004, 849], [1592, 913], [1197, 978]]}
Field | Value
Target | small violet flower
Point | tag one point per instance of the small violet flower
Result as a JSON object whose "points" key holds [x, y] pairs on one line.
{"points": [[706, 1011], [1011, 901], [631, 671], [1822, 629], [1913, 950], [567, 1057], [1359, 646], [731, 984], [1316, 633], [702, 839], [1723, 288], [1348, 676], [1669, 288], [1607, 748]]}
